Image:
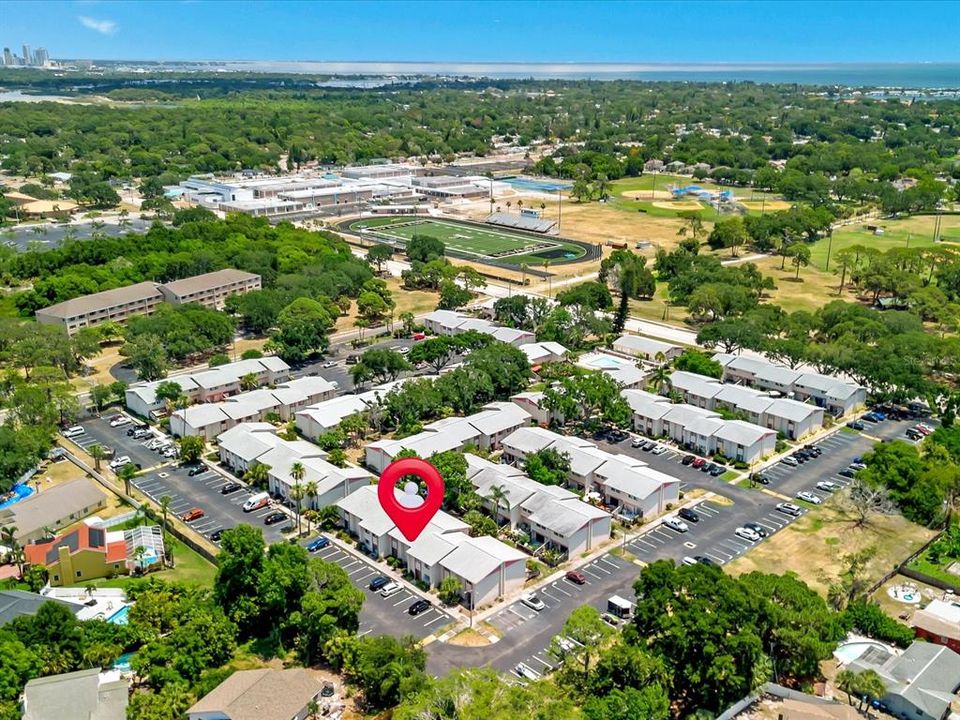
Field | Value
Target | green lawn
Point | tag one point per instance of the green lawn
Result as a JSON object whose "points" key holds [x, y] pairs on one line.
{"points": [[906, 232], [471, 241]]}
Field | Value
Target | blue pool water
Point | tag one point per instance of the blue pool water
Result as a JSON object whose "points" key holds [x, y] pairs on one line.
{"points": [[123, 662], [606, 363], [19, 493], [538, 185], [120, 616]]}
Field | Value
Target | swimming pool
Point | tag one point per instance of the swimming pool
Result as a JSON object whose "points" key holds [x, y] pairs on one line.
{"points": [[17, 493], [120, 616], [538, 185], [603, 362], [123, 662]]}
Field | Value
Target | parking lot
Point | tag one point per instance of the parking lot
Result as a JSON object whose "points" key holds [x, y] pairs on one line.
{"points": [[221, 512], [385, 616], [99, 432]]}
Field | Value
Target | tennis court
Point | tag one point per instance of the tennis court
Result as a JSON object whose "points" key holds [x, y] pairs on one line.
{"points": [[472, 241]]}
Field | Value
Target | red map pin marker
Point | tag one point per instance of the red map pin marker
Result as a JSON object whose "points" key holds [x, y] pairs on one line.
{"points": [[410, 520]]}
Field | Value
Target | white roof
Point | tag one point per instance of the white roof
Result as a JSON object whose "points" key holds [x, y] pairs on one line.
{"points": [[330, 412], [476, 558], [643, 345], [684, 415], [743, 433], [704, 426], [646, 404], [497, 417], [698, 385], [640, 481], [530, 439], [431, 547], [792, 410], [200, 416], [744, 398], [446, 318], [248, 441], [536, 352]]}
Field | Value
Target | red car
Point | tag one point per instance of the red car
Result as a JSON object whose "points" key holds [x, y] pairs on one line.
{"points": [[576, 577], [419, 336], [192, 514], [698, 463]]}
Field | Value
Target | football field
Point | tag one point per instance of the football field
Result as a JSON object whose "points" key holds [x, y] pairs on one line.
{"points": [[472, 241]]}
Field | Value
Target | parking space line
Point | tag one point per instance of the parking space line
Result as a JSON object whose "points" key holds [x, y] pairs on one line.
{"points": [[559, 589], [407, 598], [440, 616]]}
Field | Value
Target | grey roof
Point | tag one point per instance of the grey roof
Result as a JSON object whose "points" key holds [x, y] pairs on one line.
{"points": [[684, 415], [744, 398], [106, 299], [17, 603], [792, 410], [816, 381], [83, 695], [647, 405], [208, 281], [698, 385], [926, 675], [50, 507], [475, 558], [264, 694], [760, 369], [742, 433], [704, 426]]}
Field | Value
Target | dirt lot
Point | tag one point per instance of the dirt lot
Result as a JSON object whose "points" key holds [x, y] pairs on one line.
{"points": [[814, 546]]}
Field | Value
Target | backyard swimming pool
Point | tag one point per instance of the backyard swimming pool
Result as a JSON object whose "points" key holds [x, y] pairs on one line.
{"points": [[120, 616], [16, 494]]}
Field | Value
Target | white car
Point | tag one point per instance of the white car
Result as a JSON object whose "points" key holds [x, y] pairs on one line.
{"points": [[790, 461], [119, 462], [637, 442], [857, 466], [74, 431], [659, 450], [526, 672], [329, 364], [676, 524], [747, 534], [565, 644], [687, 560], [827, 486], [533, 602], [121, 420], [404, 351], [390, 589], [809, 497]]}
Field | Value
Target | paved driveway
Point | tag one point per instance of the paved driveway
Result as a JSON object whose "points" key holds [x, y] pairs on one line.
{"points": [[385, 616], [98, 431]]}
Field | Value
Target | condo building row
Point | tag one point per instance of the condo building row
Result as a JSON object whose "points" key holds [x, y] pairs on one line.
{"points": [[117, 305]]}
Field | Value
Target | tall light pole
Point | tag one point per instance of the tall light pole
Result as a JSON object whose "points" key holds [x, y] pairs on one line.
{"points": [[559, 208]]}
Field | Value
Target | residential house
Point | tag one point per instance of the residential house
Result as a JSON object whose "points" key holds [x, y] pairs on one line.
{"points": [[532, 403], [20, 603], [939, 622], [84, 695], [210, 289], [646, 348], [325, 416], [693, 389], [450, 322], [649, 410], [541, 352], [485, 429], [85, 553], [262, 694], [743, 441], [52, 509], [921, 683], [486, 568], [836, 396]]}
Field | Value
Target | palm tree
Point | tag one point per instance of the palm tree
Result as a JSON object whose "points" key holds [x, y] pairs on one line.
{"points": [[519, 205], [870, 686], [96, 452], [660, 378], [138, 554], [546, 269], [296, 472], [164, 506], [257, 475], [9, 536], [310, 491], [127, 473], [498, 494], [523, 274], [249, 382]]}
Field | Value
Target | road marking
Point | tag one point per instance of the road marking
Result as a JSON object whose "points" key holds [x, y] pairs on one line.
{"points": [[596, 577], [408, 597], [440, 616], [610, 561], [559, 589], [603, 570], [542, 662], [518, 614]]}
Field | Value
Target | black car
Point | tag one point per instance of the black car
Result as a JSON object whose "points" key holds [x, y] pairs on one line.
{"points": [[687, 459], [274, 517], [717, 470], [648, 446], [378, 582], [855, 425], [704, 560], [688, 514], [419, 606], [196, 470], [758, 529], [760, 478], [216, 534], [914, 434], [799, 457], [353, 359], [617, 436], [230, 487], [706, 467], [817, 451], [848, 473]]}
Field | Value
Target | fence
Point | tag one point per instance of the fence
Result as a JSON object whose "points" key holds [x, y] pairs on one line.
{"points": [[902, 569]]}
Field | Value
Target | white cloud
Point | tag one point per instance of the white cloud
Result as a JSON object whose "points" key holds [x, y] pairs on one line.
{"points": [[104, 27]]}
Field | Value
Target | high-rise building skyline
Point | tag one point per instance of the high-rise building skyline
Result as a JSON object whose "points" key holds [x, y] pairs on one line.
{"points": [[8, 57], [29, 58]]}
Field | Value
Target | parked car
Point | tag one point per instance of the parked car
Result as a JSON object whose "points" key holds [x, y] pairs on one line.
{"points": [[790, 461], [379, 582], [327, 690], [871, 417], [637, 442], [914, 434], [404, 350], [809, 497], [120, 421], [649, 445], [576, 577], [717, 470], [319, 544], [659, 450], [526, 672], [216, 535], [419, 606], [687, 459], [922, 429], [390, 589], [706, 466], [760, 478], [353, 359], [617, 436], [704, 560], [565, 644], [274, 517], [789, 509], [230, 487], [689, 514], [855, 425], [119, 462], [676, 524], [800, 457], [196, 470], [610, 619], [192, 514], [329, 364], [688, 560], [747, 534], [757, 528], [74, 431], [856, 465], [848, 473], [533, 602], [698, 463], [827, 486]]}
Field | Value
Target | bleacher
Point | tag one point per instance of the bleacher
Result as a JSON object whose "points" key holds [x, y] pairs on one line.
{"points": [[521, 222]]}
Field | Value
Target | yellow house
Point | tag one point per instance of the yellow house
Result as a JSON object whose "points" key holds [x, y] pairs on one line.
{"points": [[80, 555]]}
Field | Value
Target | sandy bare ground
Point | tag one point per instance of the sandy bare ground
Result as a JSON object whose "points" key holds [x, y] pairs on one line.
{"points": [[768, 205], [679, 205], [647, 195]]}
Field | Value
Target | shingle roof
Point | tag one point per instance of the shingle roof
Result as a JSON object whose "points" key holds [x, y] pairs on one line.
{"points": [[50, 507], [264, 694], [84, 694], [208, 281], [106, 299], [17, 603]]}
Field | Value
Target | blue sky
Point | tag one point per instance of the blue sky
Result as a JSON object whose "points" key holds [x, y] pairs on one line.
{"points": [[702, 31]]}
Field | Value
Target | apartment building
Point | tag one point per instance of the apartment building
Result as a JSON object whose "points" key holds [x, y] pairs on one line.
{"points": [[115, 305], [210, 289]]}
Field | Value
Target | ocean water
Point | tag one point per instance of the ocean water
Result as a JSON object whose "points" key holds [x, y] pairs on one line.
{"points": [[886, 75]]}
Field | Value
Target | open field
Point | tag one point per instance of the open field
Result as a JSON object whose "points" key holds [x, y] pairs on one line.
{"points": [[911, 232], [497, 245], [815, 545], [768, 205], [679, 205]]}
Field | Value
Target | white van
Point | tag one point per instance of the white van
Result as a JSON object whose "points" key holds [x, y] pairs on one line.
{"points": [[74, 431], [255, 502]]}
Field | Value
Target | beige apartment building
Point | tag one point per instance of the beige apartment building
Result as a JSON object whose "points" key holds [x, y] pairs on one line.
{"points": [[211, 289]]}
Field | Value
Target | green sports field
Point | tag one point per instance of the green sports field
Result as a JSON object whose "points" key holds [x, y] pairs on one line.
{"points": [[485, 244]]}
